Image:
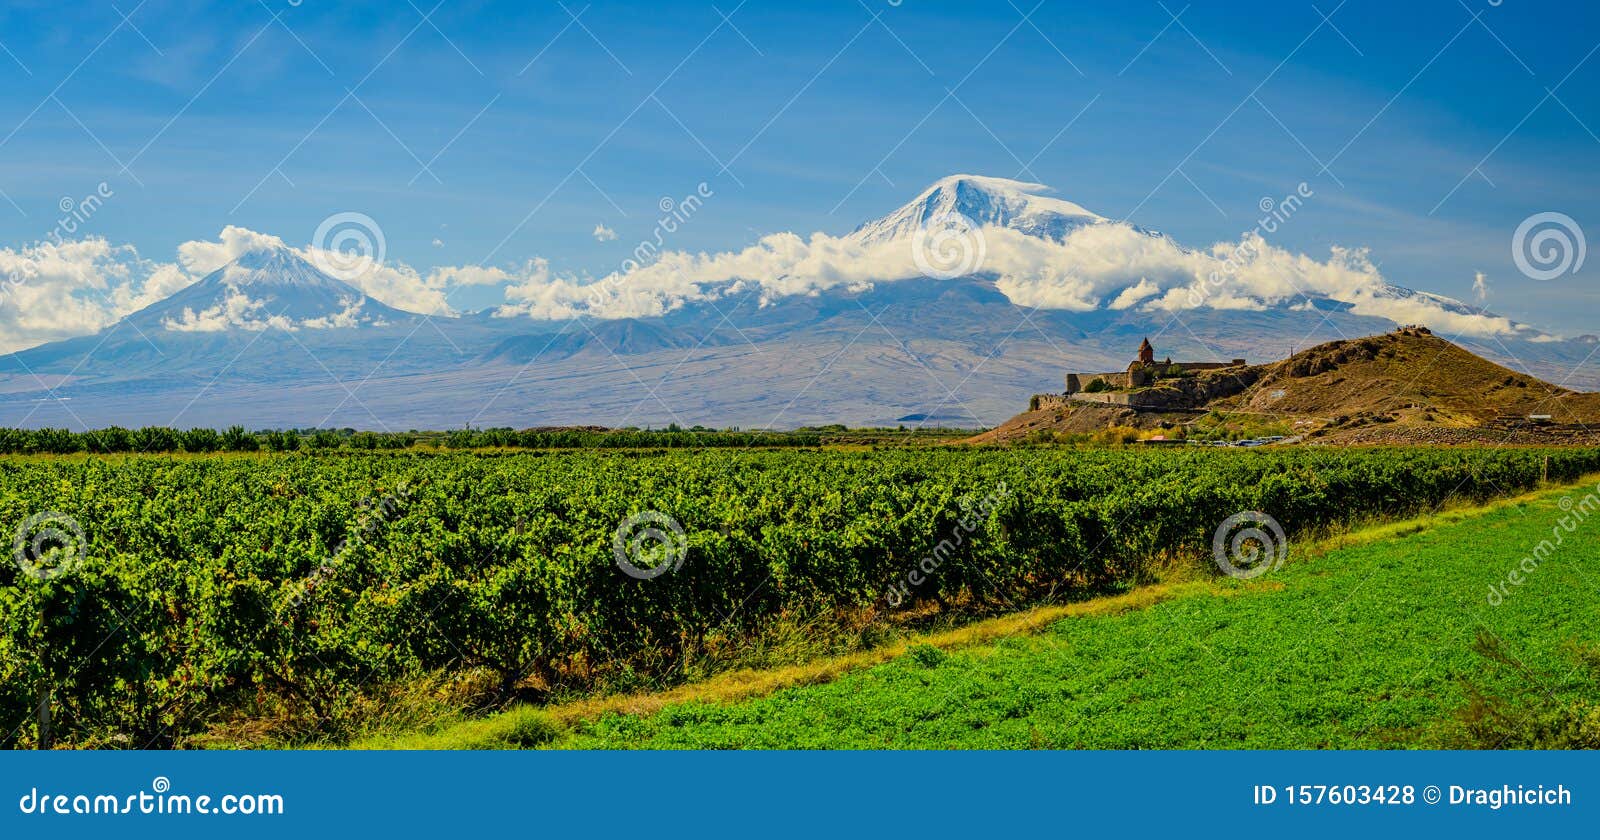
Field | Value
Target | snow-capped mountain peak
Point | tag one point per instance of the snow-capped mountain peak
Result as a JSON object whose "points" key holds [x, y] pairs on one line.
{"points": [[282, 267], [985, 201], [266, 287]]}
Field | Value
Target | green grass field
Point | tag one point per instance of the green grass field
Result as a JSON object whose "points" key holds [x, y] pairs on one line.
{"points": [[1364, 646]]}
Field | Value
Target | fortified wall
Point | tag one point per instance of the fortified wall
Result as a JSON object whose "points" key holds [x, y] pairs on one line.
{"points": [[1146, 384]]}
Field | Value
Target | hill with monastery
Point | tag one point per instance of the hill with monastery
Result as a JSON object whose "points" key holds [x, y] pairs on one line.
{"points": [[1405, 386]]}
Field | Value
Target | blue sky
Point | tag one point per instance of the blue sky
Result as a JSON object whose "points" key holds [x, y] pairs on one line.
{"points": [[1439, 132]]}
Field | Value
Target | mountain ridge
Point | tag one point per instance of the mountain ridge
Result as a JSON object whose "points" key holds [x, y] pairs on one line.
{"points": [[272, 339]]}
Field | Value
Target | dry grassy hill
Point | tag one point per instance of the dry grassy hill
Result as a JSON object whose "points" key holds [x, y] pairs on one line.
{"points": [[1408, 386]]}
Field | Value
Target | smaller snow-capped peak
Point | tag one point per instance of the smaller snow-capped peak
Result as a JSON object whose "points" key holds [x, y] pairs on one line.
{"points": [[279, 266], [985, 201], [270, 286]]}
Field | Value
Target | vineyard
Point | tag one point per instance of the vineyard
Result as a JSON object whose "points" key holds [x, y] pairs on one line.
{"points": [[181, 592]]}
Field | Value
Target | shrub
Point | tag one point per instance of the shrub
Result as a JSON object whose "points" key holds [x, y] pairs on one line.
{"points": [[1523, 712]]}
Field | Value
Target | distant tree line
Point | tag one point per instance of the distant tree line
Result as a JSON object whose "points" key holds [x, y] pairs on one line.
{"points": [[669, 438], [162, 439], [237, 439]]}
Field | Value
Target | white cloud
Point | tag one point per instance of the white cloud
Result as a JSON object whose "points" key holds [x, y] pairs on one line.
{"points": [[1480, 287], [237, 311], [1095, 267], [467, 275], [437, 242], [1134, 294], [604, 234], [393, 283], [350, 316], [163, 282], [55, 290], [400, 286], [51, 290], [201, 257]]}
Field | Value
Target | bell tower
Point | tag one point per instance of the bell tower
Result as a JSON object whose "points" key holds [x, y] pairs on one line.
{"points": [[1147, 354]]}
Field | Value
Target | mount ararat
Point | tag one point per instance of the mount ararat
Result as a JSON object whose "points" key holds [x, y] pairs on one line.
{"points": [[951, 310]]}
